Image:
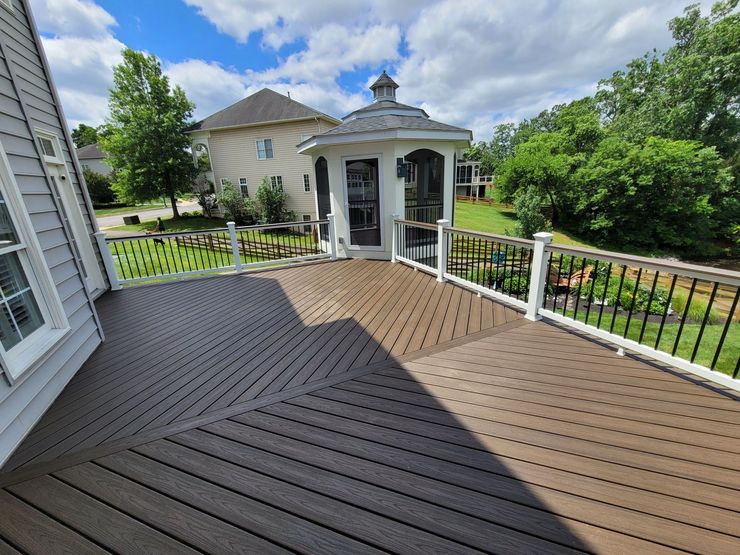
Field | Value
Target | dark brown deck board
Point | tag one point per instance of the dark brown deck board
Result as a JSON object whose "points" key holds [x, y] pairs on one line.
{"points": [[518, 438]]}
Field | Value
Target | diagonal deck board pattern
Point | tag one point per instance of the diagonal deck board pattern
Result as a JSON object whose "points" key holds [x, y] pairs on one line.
{"points": [[527, 439], [180, 350]]}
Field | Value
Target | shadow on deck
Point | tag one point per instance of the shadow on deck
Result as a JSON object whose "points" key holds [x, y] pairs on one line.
{"points": [[361, 406]]}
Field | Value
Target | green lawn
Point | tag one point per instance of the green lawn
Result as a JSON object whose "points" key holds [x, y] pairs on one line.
{"points": [[709, 341], [174, 225], [99, 212], [498, 218]]}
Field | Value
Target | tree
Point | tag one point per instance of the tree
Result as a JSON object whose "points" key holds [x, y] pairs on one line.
{"points": [[144, 134], [203, 187], [271, 204], [492, 155], [529, 216], [84, 135], [99, 187], [236, 207]]}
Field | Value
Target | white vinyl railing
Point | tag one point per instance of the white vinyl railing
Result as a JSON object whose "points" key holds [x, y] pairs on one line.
{"points": [[680, 314], [140, 258]]}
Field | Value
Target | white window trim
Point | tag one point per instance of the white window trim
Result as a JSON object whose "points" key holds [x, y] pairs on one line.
{"points": [[39, 344], [305, 175], [257, 148], [221, 181], [274, 183]]}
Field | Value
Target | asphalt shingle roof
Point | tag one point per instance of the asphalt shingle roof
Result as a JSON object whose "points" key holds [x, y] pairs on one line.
{"points": [[89, 152], [385, 122], [263, 106]]}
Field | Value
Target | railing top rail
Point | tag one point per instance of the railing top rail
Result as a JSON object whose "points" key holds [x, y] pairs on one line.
{"points": [[416, 224], [211, 231], [285, 224], [500, 238], [708, 273]]}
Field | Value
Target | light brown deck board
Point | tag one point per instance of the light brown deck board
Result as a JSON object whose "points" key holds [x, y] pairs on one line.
{"points": [[518, 438]]}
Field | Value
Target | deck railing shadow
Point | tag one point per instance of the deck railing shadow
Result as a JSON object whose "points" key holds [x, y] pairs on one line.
{"points": [[264, 364]]}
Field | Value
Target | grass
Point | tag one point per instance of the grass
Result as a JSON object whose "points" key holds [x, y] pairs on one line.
{"points": [[709, 341], [173, 225], [100, 212], [498, 218]]}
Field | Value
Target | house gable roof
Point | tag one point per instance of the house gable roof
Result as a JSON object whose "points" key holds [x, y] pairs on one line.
{"points": [[89, 152], [263, 106]]}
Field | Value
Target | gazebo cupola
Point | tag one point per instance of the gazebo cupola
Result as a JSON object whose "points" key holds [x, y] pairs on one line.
{"points": [[384, 88]]}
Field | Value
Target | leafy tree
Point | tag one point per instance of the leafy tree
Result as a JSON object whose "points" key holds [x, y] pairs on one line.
{"points": [[236, 207], [271, 204], [99, 187], [84, 135], [492, 155], [658, 194], [530, 219], [144, 135]]}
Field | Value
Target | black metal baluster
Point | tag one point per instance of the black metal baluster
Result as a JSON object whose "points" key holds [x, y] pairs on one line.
{"points": [[591, 292], [120, 263], [557, 283], [683, 319], [547, 278], [665, 311], [567, 291], [618, 300], [603, 296], [728, 323], [632, 304], [580, 285], [519, 278], [647, 310], [172, 254], [704, 321]]}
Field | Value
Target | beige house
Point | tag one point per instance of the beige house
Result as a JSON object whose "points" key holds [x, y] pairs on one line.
{"points": [[257, 137]]}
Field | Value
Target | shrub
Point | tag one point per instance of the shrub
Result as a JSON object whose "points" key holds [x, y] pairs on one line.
{"points": [[99, 187], [236, 207], [598, 281], [271, 204], [697, 310], [530, 219]]}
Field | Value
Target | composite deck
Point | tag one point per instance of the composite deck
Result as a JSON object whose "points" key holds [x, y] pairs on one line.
{"points": [[456, 427]]}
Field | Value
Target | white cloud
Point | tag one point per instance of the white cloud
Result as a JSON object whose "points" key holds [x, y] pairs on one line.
{"points": [[81, 18]]}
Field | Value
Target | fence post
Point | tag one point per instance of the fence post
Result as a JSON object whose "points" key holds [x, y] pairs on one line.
{"points": [[394, 240], [110, 265], [537, 277], [332, 235], [441, 249], [235, 247]]}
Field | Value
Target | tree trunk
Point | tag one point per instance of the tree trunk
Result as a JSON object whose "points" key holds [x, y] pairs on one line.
{"points": [[173, 201]]}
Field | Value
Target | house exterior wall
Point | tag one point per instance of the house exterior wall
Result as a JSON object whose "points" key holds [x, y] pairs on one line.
{"points": [[28, 101], [233, 154], [96, 164], [391, 187]]}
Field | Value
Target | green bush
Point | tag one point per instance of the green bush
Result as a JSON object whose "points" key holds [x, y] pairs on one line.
{"points": [[99, 187], [271, 204], [626, 294], [236, 207], [529, 216], [697, 310]]}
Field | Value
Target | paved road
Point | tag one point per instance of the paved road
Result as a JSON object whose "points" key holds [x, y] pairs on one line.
{"points": [[145, 215]]}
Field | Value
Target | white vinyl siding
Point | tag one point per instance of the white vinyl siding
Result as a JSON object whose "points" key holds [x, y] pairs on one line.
{"points": [[227, 148], [264, 149]]}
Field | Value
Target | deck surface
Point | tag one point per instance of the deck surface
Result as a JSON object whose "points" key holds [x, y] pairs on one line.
{"points": [[450, 430]]}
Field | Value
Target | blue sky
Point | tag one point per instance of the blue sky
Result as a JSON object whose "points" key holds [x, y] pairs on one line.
{"points": [[474, 63]]}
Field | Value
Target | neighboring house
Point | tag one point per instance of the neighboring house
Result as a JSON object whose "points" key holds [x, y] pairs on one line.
{"points": [[49, 265], [384, 159], [257, 138], [92, 158]]}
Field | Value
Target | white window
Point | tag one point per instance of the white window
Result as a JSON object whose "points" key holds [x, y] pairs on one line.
{"points": [[306, 183], [306, 228], [243, 186], [264, 149], [276, 181], [32, 319], [225, 181]]}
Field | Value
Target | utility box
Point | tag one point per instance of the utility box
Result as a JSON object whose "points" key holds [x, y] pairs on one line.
{"points": [[131, 220]]}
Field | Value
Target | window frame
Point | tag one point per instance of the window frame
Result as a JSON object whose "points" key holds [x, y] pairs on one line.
{"points": [[243, 187], [276, 180], [306, 182], [21, 358], [264, 147]]}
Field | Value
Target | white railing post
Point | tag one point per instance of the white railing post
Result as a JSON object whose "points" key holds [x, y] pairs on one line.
{"points": [[441, 249], [537, 277], [394, 241], [235, 247], [110, 265], [332, 235]]}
